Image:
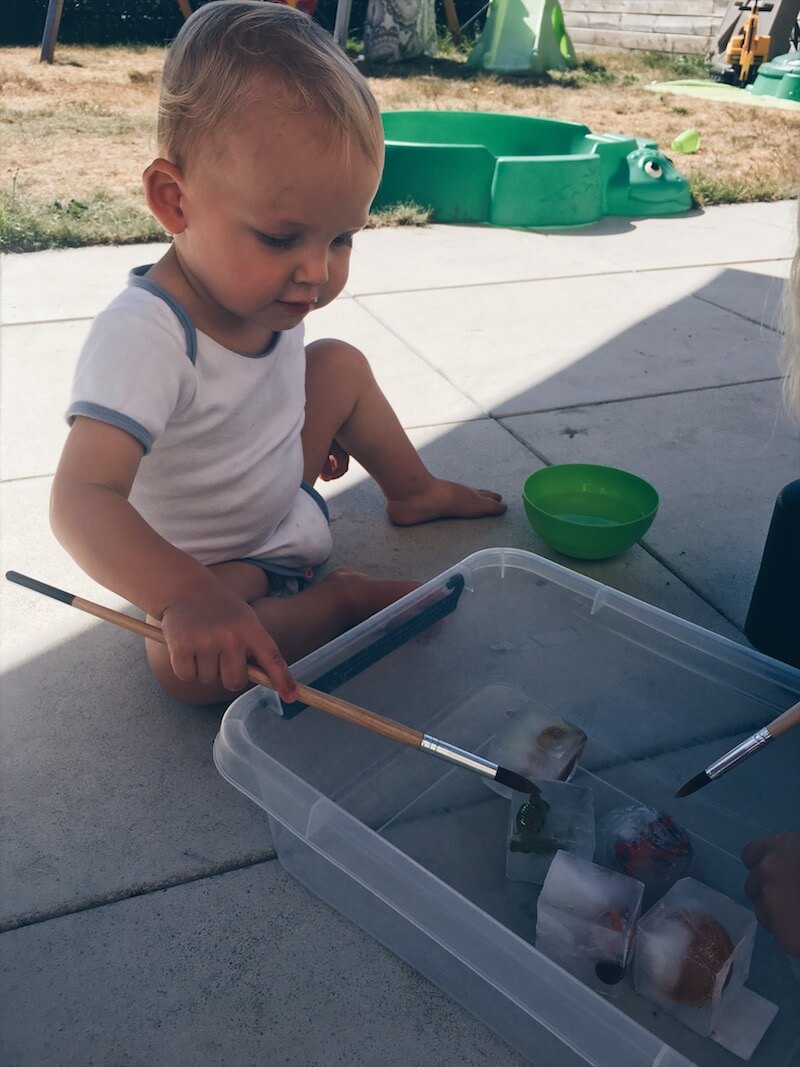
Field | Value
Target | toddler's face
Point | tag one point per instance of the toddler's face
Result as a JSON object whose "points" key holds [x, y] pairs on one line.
{"points": [[270, 217]]}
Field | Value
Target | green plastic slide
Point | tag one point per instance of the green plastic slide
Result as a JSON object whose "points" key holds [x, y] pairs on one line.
{"points": [[523, 37]]}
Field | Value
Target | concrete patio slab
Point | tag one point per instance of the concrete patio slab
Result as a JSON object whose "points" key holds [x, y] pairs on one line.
{"points": [[719, 235], [122, 790], [39, 353], [106, 782], [675, 443], [76, 283], [420, 394], [752, 290], [29, 628], [437, 257], [38, 364], [146, 921], [363, 538], [781, 213], [243, 969], [531, 346], [70, 283]]}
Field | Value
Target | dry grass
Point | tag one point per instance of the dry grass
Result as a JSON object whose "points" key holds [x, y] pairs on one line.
{"points": [[77, 134], [85, 123]]}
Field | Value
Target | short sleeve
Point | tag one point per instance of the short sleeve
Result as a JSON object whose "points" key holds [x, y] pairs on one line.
{"points": [[134, 371]]}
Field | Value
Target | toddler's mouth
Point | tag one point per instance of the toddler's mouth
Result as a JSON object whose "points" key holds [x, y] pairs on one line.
{"points": [[297, 307]]}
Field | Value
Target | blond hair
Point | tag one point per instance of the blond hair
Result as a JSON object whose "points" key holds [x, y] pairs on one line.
{"points": [[790, 347], [232, 53]]}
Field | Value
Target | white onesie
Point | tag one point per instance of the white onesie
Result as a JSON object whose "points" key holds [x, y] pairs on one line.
{"points": [[222, 473]]}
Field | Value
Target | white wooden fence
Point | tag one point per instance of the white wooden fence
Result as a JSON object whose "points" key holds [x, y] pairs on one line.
{"points": [[683, 26]]}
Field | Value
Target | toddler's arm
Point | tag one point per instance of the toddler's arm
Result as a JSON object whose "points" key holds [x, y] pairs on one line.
{"points": [[210, 632], [773, 885]]}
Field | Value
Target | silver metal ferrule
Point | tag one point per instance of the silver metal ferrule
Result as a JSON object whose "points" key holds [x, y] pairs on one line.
{"points": [[444, 750], [740, 752]]}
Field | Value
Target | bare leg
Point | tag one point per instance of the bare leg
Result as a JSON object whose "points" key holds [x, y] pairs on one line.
{"points": [[298, 624], [344, 402]]}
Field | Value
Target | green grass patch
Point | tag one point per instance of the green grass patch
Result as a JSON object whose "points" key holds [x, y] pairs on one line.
{"points": [[405, 214], [595, 73], [708, 191], [670, 66], [28, 226]]}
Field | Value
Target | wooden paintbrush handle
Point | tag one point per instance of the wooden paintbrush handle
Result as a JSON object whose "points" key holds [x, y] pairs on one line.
{"points": [[369, 720], [790, 718], [341, 709]]}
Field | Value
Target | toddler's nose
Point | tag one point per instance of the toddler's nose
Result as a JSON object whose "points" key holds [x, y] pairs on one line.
{"points": [[313, 270]]}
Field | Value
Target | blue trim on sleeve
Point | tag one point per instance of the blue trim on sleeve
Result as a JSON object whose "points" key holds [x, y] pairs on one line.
{"points": [[315, 496], [113, 418], [138, 281]]}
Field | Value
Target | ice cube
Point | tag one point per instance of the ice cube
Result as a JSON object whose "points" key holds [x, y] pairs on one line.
{"points": [[538, 744], [586, 918], [693, 952], [646, 844], [559, 816]]}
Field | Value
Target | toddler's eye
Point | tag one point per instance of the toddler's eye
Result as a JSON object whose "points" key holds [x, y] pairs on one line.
{"points": [[277, 241], [344, 240], [652, 169]]}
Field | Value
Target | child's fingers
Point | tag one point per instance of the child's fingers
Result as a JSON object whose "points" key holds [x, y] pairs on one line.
{"points": [[233, 670], [753, 884], [336, 464], [268, 657], [764, 916], [183, 663], [753, 852], [208, 671]]}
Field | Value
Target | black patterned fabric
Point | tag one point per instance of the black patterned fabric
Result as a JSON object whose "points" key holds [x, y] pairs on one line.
{"points": [[399, 29]]}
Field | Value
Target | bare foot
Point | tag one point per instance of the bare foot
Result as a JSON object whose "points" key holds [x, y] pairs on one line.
{"points": [[445, 500]]}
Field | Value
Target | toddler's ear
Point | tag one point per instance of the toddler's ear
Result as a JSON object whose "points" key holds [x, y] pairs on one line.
{"points": [[163, 187]]}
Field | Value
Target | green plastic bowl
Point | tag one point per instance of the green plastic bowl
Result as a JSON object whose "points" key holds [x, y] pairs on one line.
{"points": [[589, 512]]}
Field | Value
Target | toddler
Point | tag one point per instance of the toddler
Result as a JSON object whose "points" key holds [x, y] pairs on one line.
{"points": [[199, 422]]}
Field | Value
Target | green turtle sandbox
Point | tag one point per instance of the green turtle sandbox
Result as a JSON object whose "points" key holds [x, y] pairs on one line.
{"points": [[517, 170], [780, 77], [777, 84]]}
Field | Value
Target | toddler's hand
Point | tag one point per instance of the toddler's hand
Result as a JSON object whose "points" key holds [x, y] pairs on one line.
{"points": [[773, 885], [210, 637], [336, 464]]}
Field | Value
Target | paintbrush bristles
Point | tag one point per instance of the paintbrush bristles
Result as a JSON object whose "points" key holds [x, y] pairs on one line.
{"points": [[692, 786], [518, 782]]}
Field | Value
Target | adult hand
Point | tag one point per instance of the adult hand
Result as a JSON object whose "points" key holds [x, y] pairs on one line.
{"points": [[773, 885]]}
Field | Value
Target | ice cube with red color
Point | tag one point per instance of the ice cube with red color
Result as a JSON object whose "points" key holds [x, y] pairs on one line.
{"points": [[647, 844], [586, 919]]}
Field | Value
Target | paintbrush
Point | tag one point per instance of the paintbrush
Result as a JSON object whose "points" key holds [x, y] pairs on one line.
{"points": [[762, 737], [315, 698]]}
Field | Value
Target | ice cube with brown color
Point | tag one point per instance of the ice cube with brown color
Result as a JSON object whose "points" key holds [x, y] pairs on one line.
{"points": [[538, 744], [693, 952]]}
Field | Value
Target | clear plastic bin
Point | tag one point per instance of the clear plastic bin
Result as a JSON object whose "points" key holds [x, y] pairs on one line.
{"points": [[414, 851]]}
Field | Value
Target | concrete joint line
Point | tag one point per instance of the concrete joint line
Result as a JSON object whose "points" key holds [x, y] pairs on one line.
{"points": [[254, 859]]}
